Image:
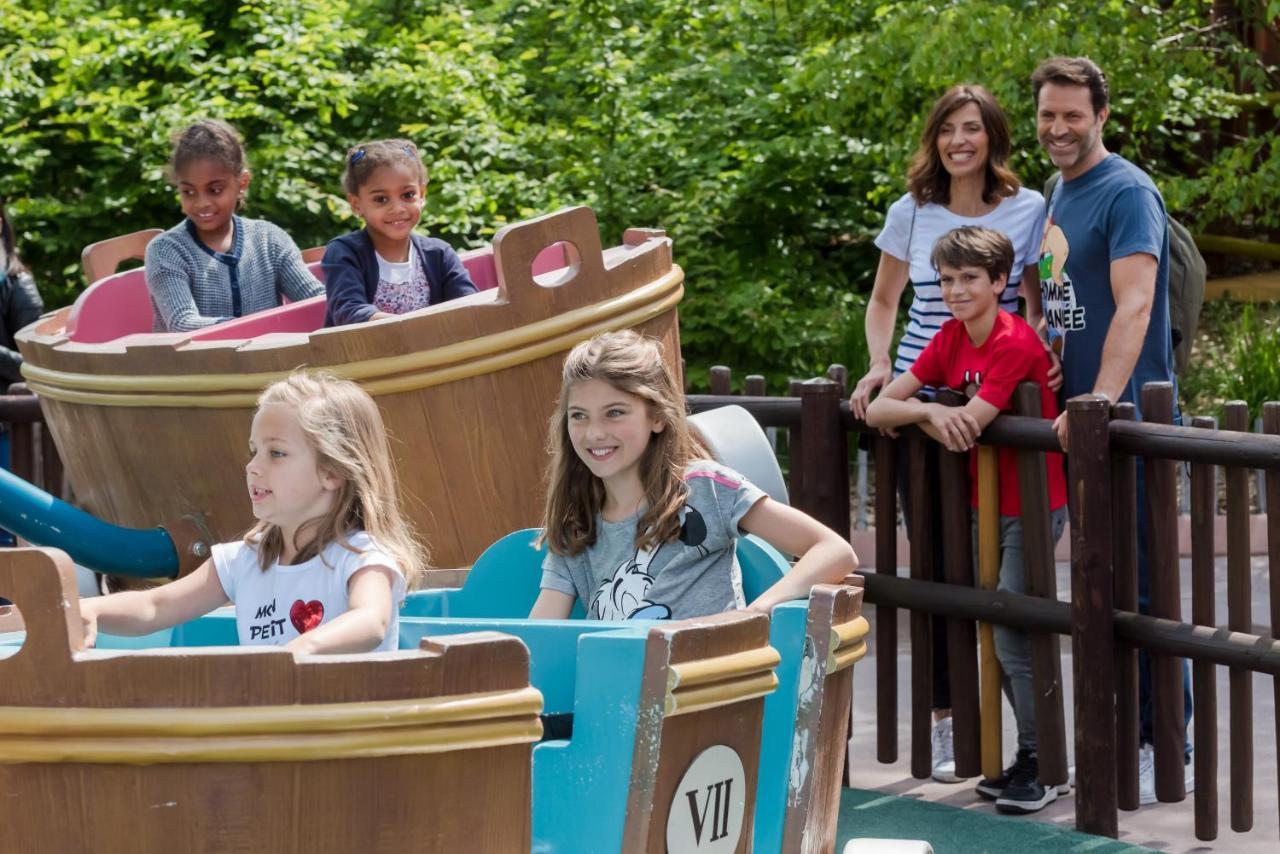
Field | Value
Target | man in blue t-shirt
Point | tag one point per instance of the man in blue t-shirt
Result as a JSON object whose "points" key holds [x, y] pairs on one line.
{"points": [[1104, 284]]}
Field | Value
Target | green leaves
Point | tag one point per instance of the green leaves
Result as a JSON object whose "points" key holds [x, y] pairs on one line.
{"points": [[767, 138]]}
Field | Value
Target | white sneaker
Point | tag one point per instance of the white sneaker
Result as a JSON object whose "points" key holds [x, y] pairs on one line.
{"points": [[1147, 775], [944, 754]]}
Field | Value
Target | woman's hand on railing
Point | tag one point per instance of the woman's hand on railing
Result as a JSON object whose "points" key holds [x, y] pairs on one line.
{"points": [[877, 377]]}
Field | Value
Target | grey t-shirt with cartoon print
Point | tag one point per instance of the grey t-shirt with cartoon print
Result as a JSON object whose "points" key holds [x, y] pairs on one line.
{"points": [[695, 575]]}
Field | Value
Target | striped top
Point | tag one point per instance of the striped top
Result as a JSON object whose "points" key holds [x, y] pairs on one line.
{"points": [[193, 286], [1020, 217]]}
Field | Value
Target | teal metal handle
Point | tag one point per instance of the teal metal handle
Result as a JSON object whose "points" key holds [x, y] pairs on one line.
{"points": [[40, 518]]}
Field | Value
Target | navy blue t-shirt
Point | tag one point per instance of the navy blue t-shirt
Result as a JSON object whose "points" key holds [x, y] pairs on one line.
{"points": [[1112, 211]]}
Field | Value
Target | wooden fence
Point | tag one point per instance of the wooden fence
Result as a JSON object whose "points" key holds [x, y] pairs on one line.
{"points": [[1101, 619]]}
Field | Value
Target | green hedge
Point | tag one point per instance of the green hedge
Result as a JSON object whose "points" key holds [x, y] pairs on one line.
{"points": [[768, 138]]}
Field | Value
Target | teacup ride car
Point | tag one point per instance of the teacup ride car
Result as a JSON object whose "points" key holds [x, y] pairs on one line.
{"points": [[149, 425], [805, 723], [225, 749]]}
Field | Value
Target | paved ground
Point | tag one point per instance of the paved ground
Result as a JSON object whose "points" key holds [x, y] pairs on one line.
{"points": [[1165, 827]]}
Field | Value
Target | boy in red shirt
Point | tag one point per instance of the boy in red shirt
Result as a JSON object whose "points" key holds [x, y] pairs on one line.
{"points": [[984, 353]]}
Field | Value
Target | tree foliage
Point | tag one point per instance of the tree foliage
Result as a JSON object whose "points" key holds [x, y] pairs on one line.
{"points": [[768, 138]]}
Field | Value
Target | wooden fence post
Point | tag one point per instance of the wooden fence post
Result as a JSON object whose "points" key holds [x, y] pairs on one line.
{"points": [[920, 524], [1092, 619], [1161, 487], [1041, 580], [992, 705], [1124, 525], [1235, 416], [22, 442], [1204, 507], [1271, 425], [824, 463], [886, 650], [721, 380], [962, 665], [795, 452]]}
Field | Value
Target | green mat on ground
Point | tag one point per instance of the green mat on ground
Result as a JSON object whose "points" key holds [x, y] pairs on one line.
{"points": [[955, 831]]}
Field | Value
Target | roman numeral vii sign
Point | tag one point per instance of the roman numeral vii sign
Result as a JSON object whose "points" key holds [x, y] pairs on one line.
{"points": [[707, 808]]}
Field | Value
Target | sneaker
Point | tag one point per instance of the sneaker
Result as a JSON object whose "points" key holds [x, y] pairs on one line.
{"points": [[1147, 775], [992, 788], [1023, 793], [944, 754]]}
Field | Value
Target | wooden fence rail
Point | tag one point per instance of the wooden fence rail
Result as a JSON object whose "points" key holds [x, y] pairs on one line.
{"points": [[1110, 450]]}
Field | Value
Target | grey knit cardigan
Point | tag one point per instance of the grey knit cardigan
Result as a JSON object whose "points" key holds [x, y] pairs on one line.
{"points": [[193, 287]]}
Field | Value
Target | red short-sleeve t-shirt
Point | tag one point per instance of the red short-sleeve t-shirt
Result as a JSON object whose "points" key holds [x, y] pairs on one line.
{"points": [[1011, 354]]}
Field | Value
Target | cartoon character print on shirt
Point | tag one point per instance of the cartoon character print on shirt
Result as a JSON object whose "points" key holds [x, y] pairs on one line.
{"points": [[1057, 295], [622, 596], [972, 382]]}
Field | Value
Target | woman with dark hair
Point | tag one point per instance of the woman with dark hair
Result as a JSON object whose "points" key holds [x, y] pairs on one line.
{"points": [[959, 176], [20, 304]]}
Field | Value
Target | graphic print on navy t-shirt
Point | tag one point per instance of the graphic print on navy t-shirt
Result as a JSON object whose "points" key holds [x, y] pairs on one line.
{"points": [[622, 596], [1057, 296]]}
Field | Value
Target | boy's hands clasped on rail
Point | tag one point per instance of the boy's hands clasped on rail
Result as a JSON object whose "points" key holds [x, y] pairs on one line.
{"points": [[953, 426]]}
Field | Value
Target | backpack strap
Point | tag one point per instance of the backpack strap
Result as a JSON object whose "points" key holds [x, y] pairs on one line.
{"points": [[1051, 190]]}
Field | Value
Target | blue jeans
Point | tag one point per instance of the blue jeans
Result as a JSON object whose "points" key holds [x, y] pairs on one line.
{"points": [[1145, 709], [1013, 646]]}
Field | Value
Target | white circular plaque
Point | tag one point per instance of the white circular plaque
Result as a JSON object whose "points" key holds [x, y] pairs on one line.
{"points": [[708, 806]]}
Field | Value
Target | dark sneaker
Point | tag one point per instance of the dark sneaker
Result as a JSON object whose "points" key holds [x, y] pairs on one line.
{"points": [[992, 788], [1023, 793]]}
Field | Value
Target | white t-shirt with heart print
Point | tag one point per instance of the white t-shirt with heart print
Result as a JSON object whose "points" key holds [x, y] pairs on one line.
{"points": [[275, 605]]}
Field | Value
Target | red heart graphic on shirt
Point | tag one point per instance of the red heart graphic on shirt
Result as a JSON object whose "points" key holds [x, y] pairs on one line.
{"points": [[305, 616]]}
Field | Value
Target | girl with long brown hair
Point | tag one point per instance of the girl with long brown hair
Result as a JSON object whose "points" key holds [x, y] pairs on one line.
{"points": [[328, 562], [639, 522]]}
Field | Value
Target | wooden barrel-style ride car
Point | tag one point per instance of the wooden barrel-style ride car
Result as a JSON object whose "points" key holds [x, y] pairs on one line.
{"points": [[222, 749], [152, 426]]}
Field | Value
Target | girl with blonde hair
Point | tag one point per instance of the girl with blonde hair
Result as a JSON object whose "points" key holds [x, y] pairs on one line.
{"points": [[328, 562], [639, 522]]}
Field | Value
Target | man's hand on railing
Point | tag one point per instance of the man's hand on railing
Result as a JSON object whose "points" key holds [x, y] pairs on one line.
{"points": [[1060, 427]]}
